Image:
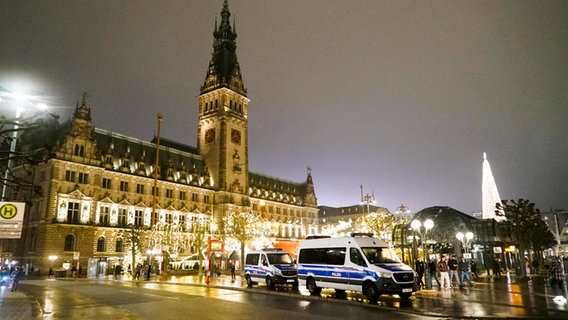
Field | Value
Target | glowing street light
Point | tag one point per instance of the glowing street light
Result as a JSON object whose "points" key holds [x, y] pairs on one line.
{"points": [[19, 98], [465, 239], [422, 229], [52, 259]]}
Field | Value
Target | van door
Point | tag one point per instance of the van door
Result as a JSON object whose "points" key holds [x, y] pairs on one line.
{"points": [[357, 269]]}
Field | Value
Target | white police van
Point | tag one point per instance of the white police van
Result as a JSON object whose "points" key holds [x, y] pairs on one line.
{"points": [[360, 262], [273, 266]]}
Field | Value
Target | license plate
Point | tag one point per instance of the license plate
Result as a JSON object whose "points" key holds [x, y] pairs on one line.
{"points": [[407, 290], [290, 280]]}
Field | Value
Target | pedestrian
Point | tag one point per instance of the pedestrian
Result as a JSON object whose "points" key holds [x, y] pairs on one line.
{"points": [[433, 270], [50, 272], [137, 274], [420, 271], [497, 268], [16, 274], [535, 266], [463, 267], [556, 273], [453, 266], [148, 271], [444, 277], [233, 271], [473, 266]]}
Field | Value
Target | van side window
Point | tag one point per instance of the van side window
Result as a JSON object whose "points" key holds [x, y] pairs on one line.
{"points": [[252, 259], [332, 256], [356, 257]]}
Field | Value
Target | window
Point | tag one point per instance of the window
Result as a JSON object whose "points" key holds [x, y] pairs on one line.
{"points": [[194, 197], [332, 256], [119, 246], [182, 195], [157, 191], [356, 257], [33, 242], [70, 176], [182, 219], [206, 199], [79, 150], [83, 178], [106, 183], [123, 186], [140, 188], [73, 212], [104, 216], [138, 217], [168, 217], [121, 217], [169, 193], [101, 245], [69, 243]]}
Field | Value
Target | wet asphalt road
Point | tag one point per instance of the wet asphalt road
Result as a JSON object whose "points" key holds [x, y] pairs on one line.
{"points": [[189, 298]]}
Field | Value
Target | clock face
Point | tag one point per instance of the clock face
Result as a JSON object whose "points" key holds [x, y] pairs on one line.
{"points": [[209, 135], [236, 136]]}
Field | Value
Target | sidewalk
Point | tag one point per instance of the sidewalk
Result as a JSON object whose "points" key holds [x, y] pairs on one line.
{"points": [[15, 305]]}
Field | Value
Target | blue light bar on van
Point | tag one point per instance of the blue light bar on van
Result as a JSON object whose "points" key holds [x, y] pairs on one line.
{"points": [[361, 234]]}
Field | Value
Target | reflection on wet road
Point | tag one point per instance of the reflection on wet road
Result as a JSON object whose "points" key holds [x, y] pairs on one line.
{"points": [[225, 299]]}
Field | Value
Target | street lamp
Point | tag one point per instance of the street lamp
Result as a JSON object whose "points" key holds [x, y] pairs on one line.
{"points": [[20, 97], [465, 239], [367, 199], [422, 229], [52, 259]]}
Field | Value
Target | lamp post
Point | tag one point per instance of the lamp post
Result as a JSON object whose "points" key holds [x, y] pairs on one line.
{"points": [[422, 229], [465, 239], [19, 111], [367, 200]]}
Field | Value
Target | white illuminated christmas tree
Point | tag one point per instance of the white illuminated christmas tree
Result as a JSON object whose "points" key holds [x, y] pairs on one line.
{"points": [[489, 192]]}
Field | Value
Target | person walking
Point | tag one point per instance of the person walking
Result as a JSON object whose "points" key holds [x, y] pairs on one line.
{"points": [[433, 270], [444, 277], [16, 275], [463, 267], [453, 266], [137, 274], [420, 271], [497, 268], [233, 271], [556, 274], [473, 266], [535, 266]]}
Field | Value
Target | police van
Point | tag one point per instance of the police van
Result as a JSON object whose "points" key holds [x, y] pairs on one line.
{"points": [[273, 266], [359, 262]]}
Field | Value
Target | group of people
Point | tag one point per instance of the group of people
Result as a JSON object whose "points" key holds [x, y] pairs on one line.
{"points": [[144, 270], [448, 270]]}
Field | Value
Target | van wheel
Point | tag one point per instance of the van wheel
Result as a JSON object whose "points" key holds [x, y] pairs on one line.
{"points": [[312, 288], [405, 296], [371, 292], [269, 282], [249, 281]]}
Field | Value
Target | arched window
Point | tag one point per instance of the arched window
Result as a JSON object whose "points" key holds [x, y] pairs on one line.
{"points": [[119, 245], [101, 244], [69, 243]]}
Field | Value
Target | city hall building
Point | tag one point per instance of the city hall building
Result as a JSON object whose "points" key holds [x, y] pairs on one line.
{"points": [[96, 183]]}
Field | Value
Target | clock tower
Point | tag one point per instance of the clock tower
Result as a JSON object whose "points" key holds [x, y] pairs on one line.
{"points": [[223, 107]]}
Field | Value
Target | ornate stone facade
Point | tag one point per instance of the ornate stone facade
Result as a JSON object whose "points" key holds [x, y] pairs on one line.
{"points": [[97, 183]]}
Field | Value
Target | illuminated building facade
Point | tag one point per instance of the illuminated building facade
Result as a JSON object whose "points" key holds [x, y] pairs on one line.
{"points": [[96, 183]]}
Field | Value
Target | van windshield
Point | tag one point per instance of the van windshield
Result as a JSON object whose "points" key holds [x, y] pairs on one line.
{"points": [[377, 255], [279, 258]]}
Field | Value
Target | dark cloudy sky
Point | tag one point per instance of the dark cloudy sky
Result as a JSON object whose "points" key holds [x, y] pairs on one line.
{"points": [[402, 97]]}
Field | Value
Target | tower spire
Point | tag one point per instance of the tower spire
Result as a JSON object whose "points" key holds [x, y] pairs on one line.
{"points": [[224, 70]]}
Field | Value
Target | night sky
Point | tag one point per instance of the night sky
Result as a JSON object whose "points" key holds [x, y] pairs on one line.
{"points": [[402, 97]]}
